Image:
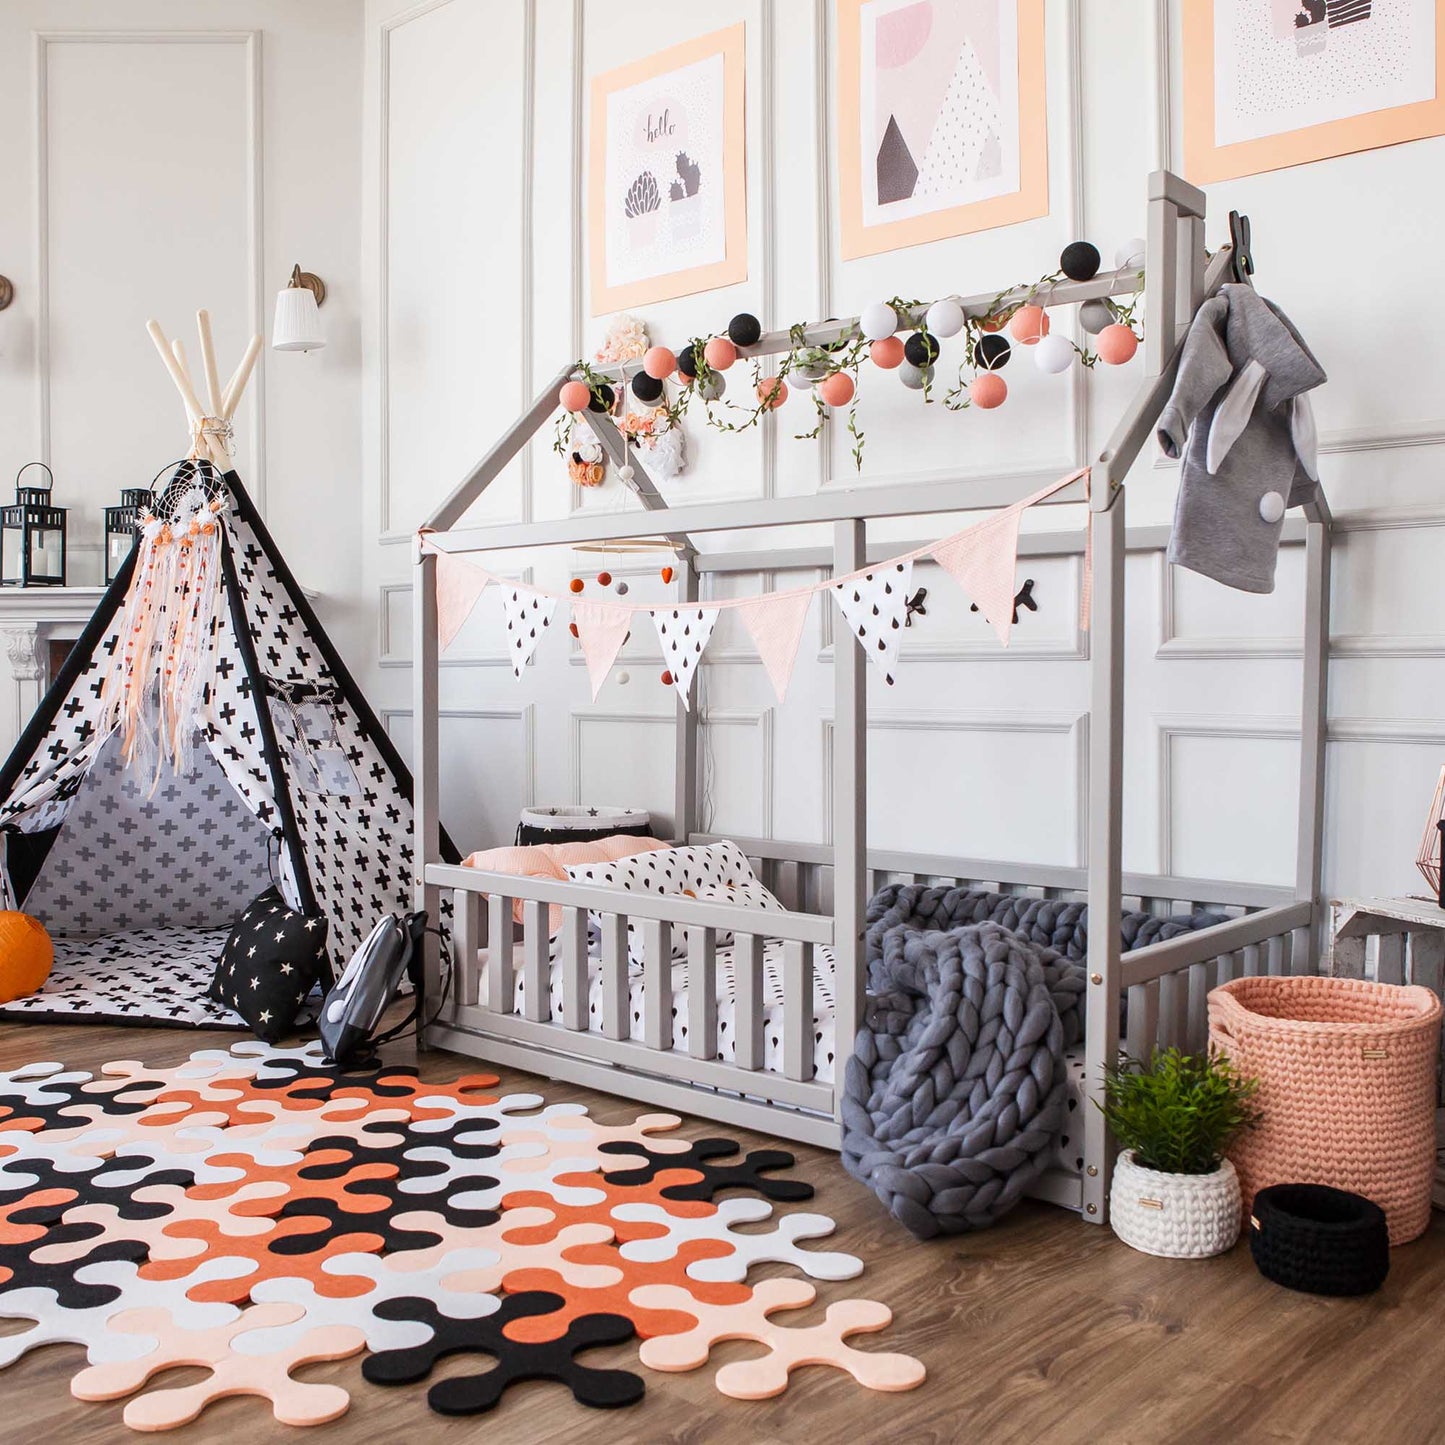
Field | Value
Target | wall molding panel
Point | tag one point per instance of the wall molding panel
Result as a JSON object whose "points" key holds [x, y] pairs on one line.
{"points": [[525, 716]]}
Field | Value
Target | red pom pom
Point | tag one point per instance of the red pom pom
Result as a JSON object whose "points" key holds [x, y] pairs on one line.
{"points": [[1116, 344], [887, 353], [572, 628], [576, 584], [1028, 324], [720, 353], [659, 362], [987, 390], [604, 579], [666, 678], [667, 574], [575, 396], [836, 389]]}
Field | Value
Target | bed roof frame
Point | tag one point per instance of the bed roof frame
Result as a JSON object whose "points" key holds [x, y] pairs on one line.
{"points": [[1175, 254]]}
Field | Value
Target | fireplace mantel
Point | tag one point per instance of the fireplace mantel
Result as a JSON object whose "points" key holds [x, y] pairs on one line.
{"points": [[31, 618]]}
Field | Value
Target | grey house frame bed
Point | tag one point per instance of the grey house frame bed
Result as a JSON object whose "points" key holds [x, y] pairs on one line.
{"points": [[1151, 995]]}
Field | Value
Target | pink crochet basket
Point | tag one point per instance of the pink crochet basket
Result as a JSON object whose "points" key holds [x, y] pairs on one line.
{"points": [[1346, 1073]]}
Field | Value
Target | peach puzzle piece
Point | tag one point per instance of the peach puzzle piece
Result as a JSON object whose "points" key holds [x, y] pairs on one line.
{"points": [[788, 1348], [293, 1402]]}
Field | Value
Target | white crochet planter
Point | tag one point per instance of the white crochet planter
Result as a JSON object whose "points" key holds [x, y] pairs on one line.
{"points": [[1178, 1216]]}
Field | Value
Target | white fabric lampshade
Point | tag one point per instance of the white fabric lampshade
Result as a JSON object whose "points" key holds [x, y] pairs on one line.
{"points": [[297, 326]]}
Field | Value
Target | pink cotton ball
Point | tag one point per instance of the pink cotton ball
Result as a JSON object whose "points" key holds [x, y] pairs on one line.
{"points": [[887, 353], [720, 353], [574, 396], [1116, 344], [987, 390], [837, 389], [1028, 324], [659, 363]]}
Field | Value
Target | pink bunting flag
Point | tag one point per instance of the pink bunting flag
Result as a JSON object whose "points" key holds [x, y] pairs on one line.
{"points": [[459, 584], [683, 633], [776, 627], [875, 606], [982, 561], [601, 629]]}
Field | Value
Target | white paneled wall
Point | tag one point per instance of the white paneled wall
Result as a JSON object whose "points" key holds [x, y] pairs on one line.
{"points": [[159, 157]]}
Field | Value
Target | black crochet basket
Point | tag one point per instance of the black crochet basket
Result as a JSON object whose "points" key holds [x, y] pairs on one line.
{"points": [[1320, 1240]]}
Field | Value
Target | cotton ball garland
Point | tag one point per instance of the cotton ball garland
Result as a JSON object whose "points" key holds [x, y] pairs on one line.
{"points": [[921, 349], [1095, 315], [878, 320], [1271, 507], [886, 353], [1028, 324], [659, 362], [1130, 256], [1117, 344], [720, 353], [1054, 354], [945, 317], [712, 386], [772, 392], [987, 390], [1080, 261], [646, 388], [744, 329], [993, 351], [837, 389], [915, 378], [603, 398], [574, 396]]}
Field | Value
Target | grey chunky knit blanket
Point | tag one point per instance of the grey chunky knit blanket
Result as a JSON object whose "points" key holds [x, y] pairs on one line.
{"points": [[956, 1088]]}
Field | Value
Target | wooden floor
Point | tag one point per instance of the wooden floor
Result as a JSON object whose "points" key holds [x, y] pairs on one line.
{"points": [[1042, 1329]]}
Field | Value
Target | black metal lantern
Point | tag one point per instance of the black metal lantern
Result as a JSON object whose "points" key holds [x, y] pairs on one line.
{"points": [[32, 536], [121, 524]]}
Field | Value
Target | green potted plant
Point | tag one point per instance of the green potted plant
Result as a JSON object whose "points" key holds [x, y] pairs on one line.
{"points": [[1174, 1193]]}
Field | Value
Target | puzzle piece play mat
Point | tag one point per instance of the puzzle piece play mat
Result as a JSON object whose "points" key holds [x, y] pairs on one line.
{"points": [[251, 1211]]}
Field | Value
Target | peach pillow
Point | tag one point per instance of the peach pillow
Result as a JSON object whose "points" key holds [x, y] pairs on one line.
{"points": [[551, 860]]}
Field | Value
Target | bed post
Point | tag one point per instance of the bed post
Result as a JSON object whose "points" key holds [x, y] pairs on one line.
{"points": [[1309, 861], [850, 812], [426, 834], [685, 817]]}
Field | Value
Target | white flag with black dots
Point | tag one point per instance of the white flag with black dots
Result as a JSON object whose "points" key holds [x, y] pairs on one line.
{"points": [[875, 606], [529, 615], [683, 633]]}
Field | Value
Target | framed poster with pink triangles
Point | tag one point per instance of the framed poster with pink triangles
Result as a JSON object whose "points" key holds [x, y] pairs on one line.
{"points": [[942, 119]]}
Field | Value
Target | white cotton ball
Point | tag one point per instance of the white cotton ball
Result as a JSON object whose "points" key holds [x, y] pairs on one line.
{"points": [[945, 317], [1094, 316], [799, 380], [712, 386], [1130, 256], [1053, 353], [914, 377], [1271, 507], [878, 320], [623, 678], [626, 471]]}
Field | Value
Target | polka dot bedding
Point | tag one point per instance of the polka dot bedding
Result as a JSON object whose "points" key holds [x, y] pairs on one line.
{"points": [[823, 1011]]}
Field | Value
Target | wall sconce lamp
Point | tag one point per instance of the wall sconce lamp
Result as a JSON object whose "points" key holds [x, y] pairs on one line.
{"points": [[7, 292], [297, 324]]}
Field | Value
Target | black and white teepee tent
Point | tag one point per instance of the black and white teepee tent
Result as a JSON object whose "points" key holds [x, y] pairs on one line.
{"points": [[203, 740]]}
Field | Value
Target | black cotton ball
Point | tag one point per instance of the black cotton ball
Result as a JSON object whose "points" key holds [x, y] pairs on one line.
{"points": [[1080, 261], [921, 349], [602, 398], [992, 350], [744, 329], [647, 388], [687, 361]]}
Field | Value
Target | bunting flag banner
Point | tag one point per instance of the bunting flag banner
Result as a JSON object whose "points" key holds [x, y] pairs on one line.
{"points": [[775, 623], [875, 606], [601, 629], [529, 615], [683, 633], [983, 561], [459, 584]]}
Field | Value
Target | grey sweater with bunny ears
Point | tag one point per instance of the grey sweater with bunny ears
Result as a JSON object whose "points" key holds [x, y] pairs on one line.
{"points": [[1240, 416]]}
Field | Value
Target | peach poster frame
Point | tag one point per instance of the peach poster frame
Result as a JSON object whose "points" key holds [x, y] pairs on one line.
{"points": [[734, 266], [1028, 203], [1205, 162]]}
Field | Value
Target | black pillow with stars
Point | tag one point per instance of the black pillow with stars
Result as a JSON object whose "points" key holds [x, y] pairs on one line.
{"points": [[271, 961]]}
